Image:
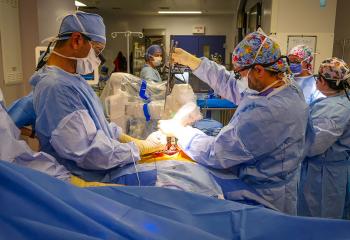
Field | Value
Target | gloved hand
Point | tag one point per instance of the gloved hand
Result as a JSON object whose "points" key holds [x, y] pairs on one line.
{"points": [[188, 114], [182, 57], [157, 138], [171, 128], [144, 146]]}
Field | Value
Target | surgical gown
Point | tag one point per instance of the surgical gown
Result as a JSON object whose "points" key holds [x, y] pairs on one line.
{"points": [[325, 170], [71, 126], [22, 111], [150, 74], [308, 86], [262, 145], [17, 151]]}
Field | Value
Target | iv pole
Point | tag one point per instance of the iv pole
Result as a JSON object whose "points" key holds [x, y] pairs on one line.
{"points": [[127, 34]]}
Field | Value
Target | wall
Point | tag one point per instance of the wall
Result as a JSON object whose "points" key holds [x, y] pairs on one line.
{"points": [[37, 21], [28, 23], [300, 17], [29, 39], [50, 14], [174, 25], [341, 47]]}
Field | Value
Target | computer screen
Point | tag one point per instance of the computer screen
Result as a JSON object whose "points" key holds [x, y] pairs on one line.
{"points": [[91, 79]]}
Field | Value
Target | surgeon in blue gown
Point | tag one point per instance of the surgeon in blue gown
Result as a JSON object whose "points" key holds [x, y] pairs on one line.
{"points": [[300, 58], [324, 189], [70, 122], [263, 143]]}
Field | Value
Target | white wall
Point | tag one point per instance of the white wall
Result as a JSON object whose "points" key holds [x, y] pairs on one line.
{"points": [[28, 34], [49, 14], [305, 17], [174, 25]]}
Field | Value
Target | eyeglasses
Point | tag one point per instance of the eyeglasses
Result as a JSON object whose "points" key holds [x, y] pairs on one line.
{"points": [[98, 47], [318, 77], [238, 72], [264, 65], [295, 61]]}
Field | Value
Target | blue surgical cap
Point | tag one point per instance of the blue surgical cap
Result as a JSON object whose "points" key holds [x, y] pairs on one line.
{"points": [[88, 24], [151, 51]]}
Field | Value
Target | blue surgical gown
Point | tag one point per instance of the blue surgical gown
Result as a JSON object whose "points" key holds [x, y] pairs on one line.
{"points": [[16, 151], [308, 86], [22, 111], [325, 170], [150, 74], [71, 126], [262, 145]]}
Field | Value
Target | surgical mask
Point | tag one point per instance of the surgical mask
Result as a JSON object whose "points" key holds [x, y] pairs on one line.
{"points": [[245, 81], [255, 92], [296, 68], [157, 61], [85, 65]]}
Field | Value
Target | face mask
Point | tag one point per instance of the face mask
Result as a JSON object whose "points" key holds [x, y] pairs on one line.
{"points": [[242, 84], [157, 61], [255, 92], [245, 79], [85, 65], [296, 68]]}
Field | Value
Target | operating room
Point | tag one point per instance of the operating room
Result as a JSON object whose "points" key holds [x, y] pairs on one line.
{"points": [[168, 119]]}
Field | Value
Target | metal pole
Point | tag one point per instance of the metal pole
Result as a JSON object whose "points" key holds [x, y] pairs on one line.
{"points": [[127, 34], [128, 50]]}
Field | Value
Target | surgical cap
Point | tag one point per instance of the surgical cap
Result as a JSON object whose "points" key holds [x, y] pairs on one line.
{"points": [[88, 24], [151, 51], [334, 69], [257, 48], [303, 52]]}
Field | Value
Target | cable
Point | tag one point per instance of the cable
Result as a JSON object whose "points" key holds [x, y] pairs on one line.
{"points": [[136, 171]]}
